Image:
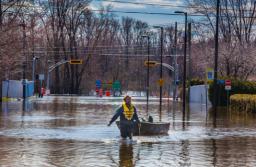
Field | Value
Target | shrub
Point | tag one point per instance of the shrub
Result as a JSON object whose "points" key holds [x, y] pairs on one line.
{"points": [[243, 102], [238, 87], [196, 81]]}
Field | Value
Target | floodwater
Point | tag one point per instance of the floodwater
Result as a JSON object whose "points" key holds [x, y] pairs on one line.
{"points": [[71, 131]]}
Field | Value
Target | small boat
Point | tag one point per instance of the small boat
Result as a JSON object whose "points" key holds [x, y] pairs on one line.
{"points": [[150, 128]]}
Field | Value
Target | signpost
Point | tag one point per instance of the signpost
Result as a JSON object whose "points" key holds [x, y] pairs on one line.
{"points": [[227, 88], [98, 87], [161, 82], [209, 77], [209, 74], [41, 78], [116, 87], [227, 85]]}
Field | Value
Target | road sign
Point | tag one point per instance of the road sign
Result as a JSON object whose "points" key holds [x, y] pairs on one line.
{"points": [[76, 61], [209, 74], [220, 81], [116, 85], [177, 82], [41, 77], [228, 82], [98, 83], [227, 87], [160, 82], [150, 63]]}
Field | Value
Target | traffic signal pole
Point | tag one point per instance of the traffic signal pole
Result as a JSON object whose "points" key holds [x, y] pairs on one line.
{"points": [[72, 62]]}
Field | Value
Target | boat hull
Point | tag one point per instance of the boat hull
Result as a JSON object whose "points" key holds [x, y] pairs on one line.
{"points": [[149, 128]]}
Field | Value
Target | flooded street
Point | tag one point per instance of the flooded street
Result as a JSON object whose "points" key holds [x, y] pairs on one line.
{"points": [[72, 131]]}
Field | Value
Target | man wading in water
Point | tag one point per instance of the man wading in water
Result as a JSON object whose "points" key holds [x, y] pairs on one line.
{"points": [[128, 118]]}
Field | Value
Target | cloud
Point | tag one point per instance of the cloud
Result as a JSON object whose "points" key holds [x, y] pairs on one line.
{"points": [[93, 7], [117, 5], [169, 4], [123, 5]]}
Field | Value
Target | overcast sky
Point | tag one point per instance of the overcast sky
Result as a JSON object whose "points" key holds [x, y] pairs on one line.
{"points": [[168, 6]]}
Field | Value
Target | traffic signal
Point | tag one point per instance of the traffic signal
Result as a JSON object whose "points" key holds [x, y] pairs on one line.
{"points": [[150, 63], [76, 61]]}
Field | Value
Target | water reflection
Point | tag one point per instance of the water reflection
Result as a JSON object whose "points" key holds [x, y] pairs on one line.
{"points": [[17, 106], [64, 132], [126, 155], [184, 154]]}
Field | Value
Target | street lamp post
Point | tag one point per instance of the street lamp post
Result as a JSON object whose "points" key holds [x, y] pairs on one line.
{"points": [[161, 70], [33, 68], [184, 63], [147, 36]]}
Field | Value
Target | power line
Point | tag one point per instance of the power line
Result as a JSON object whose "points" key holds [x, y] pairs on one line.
{"points": [[147, 13], [165, 5], [148, 4], [130, 12]]}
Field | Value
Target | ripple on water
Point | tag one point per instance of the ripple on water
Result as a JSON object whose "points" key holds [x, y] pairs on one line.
{"points": [[101, 133]]}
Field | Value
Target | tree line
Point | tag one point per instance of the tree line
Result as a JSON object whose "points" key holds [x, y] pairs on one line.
{"points": [[112, 48]]}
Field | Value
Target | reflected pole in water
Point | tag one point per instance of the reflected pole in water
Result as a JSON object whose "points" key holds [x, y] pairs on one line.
{"points": [[214, 150], [183, 121], [185, 157]]}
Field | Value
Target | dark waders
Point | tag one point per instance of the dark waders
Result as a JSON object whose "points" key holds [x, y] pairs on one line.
{"points": [[126, 129]]}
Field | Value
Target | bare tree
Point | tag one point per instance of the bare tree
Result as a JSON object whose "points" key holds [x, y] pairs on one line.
{"points": [[236, 24]]}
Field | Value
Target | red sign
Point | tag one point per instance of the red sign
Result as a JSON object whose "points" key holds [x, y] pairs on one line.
{"points": [[228, 82]]}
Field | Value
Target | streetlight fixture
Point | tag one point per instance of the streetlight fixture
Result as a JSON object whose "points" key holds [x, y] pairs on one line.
{"points": [[161, 69], [184, 62], [147, 36]]}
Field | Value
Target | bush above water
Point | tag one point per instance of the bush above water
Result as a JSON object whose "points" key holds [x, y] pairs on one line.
{"points": [[238, 87], [243, 102]]}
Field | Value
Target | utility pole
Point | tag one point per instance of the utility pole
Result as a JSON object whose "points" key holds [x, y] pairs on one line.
{"points": [[215, 86], [1, 15], [127, 43], [175, 62], [25, 63], [147, 87], [161, 73], [184, 63], [24, 81], [148, 74], [24, 42], [189, 54], [24, 86]]}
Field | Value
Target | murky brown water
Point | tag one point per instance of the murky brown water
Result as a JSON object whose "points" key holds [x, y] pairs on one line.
{"points": [[72, 131]]}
